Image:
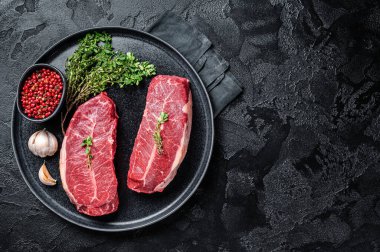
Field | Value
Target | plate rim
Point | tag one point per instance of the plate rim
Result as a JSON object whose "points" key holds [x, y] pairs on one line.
{"points": [[166, 213]]}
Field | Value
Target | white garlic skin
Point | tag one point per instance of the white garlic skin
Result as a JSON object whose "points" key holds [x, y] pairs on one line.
{"points": [[43, 143], [45, 177]]}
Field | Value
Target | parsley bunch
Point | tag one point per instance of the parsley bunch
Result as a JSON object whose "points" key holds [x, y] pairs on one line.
{"points": [[95, 65]]}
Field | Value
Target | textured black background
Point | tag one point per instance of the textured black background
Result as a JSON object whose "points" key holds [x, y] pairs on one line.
{"points": [[296, 160]]}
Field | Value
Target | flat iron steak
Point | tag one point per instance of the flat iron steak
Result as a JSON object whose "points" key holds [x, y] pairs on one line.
{"points": [[151, 170], [91, 184]]}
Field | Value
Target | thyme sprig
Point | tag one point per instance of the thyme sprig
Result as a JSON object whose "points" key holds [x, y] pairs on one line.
{"points": [[87, 142], [95, 65], [164, 117]]}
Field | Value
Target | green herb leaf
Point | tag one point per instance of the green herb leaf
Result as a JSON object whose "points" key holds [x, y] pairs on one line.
{"points": [[87, 141], [163, 118]]}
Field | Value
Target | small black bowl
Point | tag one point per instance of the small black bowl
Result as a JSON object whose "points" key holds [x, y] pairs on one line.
{"points": [[26, 74]]}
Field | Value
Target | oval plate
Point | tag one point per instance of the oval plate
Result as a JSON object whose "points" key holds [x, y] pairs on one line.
{"points": [[135, 210]]}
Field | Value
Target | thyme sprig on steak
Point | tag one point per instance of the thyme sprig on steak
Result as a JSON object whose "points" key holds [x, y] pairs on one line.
{"points": [[87, 142], [164, 117]]}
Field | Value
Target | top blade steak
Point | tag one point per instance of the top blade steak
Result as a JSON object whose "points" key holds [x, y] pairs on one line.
{"points": [[149, 170], [91, 188]]}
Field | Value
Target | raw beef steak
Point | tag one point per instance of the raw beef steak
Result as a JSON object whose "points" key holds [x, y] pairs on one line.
{"points": [[91, 187], [149, 170]]}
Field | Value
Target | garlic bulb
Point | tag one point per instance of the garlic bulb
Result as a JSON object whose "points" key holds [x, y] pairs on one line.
{"points": [[43, 143], [45, 177]]}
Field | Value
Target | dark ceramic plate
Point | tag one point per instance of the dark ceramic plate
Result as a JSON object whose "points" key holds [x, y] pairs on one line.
{"points": [[135, 210]]}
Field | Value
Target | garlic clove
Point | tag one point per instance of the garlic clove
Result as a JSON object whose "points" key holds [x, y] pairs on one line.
{"points": [[31, 144], [41, 143], [42, 138], [45, 177], [53, 144]]}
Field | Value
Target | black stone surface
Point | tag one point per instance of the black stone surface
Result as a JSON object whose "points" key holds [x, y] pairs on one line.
{"points": [[296, 161]]}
